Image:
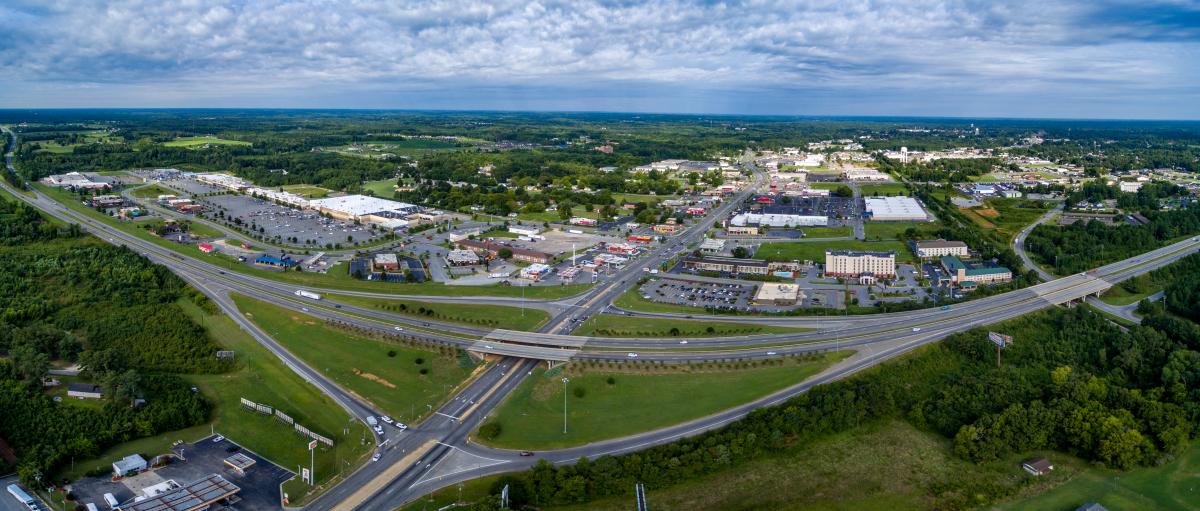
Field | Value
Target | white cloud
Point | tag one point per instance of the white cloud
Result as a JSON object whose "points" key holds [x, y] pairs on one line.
{"points": [[307, 51]]}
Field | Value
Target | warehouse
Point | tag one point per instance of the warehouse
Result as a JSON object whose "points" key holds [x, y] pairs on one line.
{"points": [[777, 220], [895, 209], [366, 209]]}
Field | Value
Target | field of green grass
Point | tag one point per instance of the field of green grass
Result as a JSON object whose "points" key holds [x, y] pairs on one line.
{"points": [[884, 189], [385, 188], [363, 366], [310, 191], [1173, 486], [611, 325], [881, 467], [1117, 295], [553, 216], [783, 251], [194, 142], [827, 232], [262, 378], [151, 192], [489, 316], [1008, 216], [894, 230], [531, 417]]}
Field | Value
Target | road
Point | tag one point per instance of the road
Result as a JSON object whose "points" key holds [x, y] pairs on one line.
{"points": [[1019, 243]]}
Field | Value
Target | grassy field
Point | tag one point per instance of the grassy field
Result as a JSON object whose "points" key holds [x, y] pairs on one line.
{"points": [[531, 417], [610, 325], [310, 191], [1007, 216], [553, 216], [881, 467], [894, 230], [363, 366], [884, 189], [1117, 295], [385, 188], [491, 316], [152, 192], [194, 142], [262, 378], [774, 251], [474, 490], [827, 232], [1173, 486]]}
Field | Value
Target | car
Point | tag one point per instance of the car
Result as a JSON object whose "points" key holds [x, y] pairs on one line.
{"points": [[305, 309], [379, 429], [218, 438], [526, 453], [386, 419], [683, 341], [488, 347], [631, 355], [337, 306], [771, 353], [376, 457], [398, 329], [916, 329], [402, 426]]}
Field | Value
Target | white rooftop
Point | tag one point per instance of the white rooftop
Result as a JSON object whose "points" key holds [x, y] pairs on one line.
{"points": [[893, 207], [358, 205]]}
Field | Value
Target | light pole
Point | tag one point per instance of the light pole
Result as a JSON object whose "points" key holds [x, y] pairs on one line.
{"points": [[565, 380]]}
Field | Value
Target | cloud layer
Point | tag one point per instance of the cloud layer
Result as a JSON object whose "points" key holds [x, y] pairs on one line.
{"points": [[1042, 58]]}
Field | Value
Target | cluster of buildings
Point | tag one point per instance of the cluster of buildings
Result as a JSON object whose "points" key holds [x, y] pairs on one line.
{"points": [[182, 205], [80, 181], [967, 275], [491, 249], [684, 166], [736, 266], [758, 220]]}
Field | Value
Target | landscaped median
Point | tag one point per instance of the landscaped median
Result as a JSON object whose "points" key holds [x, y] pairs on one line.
{"points": [[480, 315], [606, 402], [610, 325], [400, 380]]}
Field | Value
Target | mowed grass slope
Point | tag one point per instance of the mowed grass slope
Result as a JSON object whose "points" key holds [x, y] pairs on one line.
{"points": [[531, 417], [194, 142], [611, 325], [386, 374], [488, 316]]}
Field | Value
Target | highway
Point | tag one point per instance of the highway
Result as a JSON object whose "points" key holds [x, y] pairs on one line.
{"points": [[431, 455]]}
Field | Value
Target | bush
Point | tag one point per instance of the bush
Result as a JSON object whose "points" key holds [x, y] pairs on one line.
{"points": [[391, 353], [611, 381], [424, 371], [490, 430], [419, 361], [579, 391]]}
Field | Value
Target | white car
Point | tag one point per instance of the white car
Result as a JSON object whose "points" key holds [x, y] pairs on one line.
{"points": [[386, 419], [218, 438], [771, 353], [683, 342], [631, 355], [916, 329], [376, 457], [398, 329], [402, 426], [379, 429]]}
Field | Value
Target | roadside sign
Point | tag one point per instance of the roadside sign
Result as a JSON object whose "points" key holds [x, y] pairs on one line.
{"points": [[1000, 340], [312, 445]]}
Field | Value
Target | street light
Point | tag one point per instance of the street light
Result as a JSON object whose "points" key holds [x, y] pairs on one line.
{"points": [[565, 380]]}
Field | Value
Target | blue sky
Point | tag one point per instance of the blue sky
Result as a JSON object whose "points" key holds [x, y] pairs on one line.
{"points": [[1043, 58]]}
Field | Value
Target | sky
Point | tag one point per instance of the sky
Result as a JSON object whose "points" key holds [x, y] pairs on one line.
{"points": [[1039, 58]]}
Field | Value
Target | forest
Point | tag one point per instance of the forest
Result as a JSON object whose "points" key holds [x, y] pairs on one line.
{"points": [[1071, 381], [1085, 245], [69, 298]]}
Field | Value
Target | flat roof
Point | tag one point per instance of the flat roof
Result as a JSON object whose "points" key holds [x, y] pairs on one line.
{"points": [[940, 244], [358, 205], [196, 495], [894, 206], [240, 461], [777, 291]]}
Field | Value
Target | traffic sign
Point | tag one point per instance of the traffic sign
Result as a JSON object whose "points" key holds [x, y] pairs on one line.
{"points": [[312, 445]]}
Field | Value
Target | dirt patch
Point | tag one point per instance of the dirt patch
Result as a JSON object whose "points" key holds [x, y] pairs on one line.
{"points": [[988, 212], [374, 378], [975, 217], [545, 388]]}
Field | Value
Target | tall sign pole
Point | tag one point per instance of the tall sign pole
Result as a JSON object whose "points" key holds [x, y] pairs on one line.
{"points": [[312, 467], [1001, 341], [565, 380]]}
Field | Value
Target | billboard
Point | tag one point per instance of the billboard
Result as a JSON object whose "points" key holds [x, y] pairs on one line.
{"points": [[1000, 340]]}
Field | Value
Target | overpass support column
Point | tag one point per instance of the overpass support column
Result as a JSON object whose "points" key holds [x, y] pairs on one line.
{"points": [[551, 364]]}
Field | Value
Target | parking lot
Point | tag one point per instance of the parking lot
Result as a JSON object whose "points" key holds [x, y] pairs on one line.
{"points": [[700, 294], [284, 223], [191, 462], [832, 207]]}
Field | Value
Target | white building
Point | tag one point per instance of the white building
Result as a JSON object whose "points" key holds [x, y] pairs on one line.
{"points": [[863, 174], [939, 248], [777, 220], [535, 271], [366, 209], [712, 246], [226, 181], [895, 209], [846, 263], [772, 293], [525, 230], [1130, 186]]}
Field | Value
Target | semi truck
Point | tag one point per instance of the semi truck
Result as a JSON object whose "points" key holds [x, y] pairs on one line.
{"points": [[308, 294]]}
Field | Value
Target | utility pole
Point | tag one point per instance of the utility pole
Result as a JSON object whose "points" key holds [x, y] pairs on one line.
{"points": [[565, 381]]}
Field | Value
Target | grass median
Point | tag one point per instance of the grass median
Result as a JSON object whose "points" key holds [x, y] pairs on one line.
{"points": [[611, 325], [604, 404], [400, 380], [480, 315]]}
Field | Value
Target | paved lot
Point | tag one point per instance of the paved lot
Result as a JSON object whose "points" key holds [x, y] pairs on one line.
{"points": [[722, 296], [285, 223], [833, 207], [259, 486], [10, 503]]}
